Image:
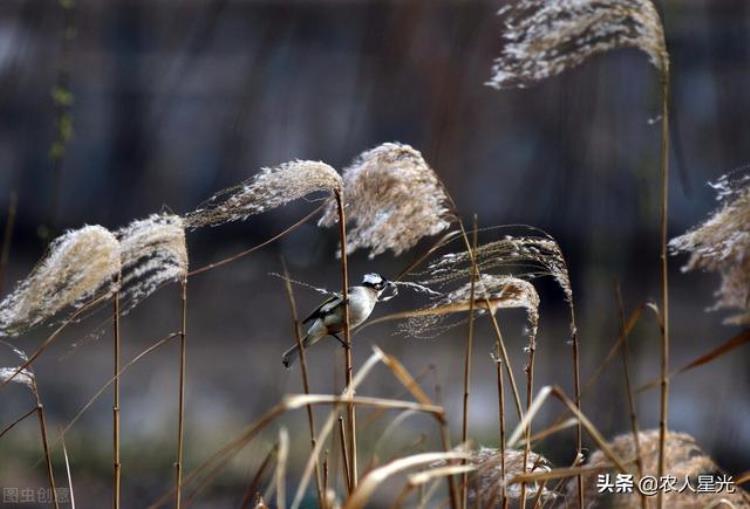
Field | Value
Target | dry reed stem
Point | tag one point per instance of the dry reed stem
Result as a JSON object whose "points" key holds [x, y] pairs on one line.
{"points": [[116, 465], [625, 351], [351, 414], [374, 478], [246, 252], [71, 491], [281, 461], [13, 424], [344, 454], [501, 418], [45, 439], [536, 405], [252, 488], [104, 387], [664, 365], [305, 379], [7, 237], [72, 318], [467, 355], [181, 391]]}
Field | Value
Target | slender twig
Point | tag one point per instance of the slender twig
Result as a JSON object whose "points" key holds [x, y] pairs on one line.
{"points": [[7, 236], [252, 488], [467, 361], [45, 439], [72, 318], [529, 397], [305, 378], [256, 247], [17, 421], [183, 374], [71, 492], [664, 163], [351, 414], [501, 411], [344, 453], [625, 352], [116, 466]]}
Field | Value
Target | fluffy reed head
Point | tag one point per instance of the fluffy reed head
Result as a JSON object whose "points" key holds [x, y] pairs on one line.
{"points": [[545, 38], [23, 377], [683, 458], [487, 480], [722, 244], [533, 256], [393, 198], [153, 253], [502, 292], [80, 265], [270, 188]]}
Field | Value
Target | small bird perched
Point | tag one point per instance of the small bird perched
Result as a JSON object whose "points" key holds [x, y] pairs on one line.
{"points": [[328, 318]]}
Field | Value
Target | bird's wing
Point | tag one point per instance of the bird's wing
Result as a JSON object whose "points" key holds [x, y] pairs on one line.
{"points": [[325, 308]]}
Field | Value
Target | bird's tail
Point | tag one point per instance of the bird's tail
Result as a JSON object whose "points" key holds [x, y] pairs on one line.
{"points": [[290, 356]]}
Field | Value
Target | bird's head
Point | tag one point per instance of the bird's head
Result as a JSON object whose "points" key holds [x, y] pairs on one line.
{"points": [[376, 282]]}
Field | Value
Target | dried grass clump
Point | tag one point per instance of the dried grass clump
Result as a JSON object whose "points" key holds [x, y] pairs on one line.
{"points": [[153, 253], [81, 264], [488, 479], [393, 198], [532, 256], [722, 244], [503, 292], [270, 188], [683, 457], [544, 38]]}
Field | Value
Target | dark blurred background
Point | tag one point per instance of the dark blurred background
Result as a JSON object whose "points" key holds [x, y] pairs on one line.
{"points": [[115, 109]]}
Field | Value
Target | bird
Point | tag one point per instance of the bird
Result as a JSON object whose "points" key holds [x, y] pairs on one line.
{"points": [[328, 318]]}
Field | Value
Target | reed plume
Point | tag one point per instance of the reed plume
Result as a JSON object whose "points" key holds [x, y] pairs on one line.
{"points": [[502, 292], [544, 39], [721, 244], [23, 377], [393, 198], [684, 459], [153, 253], [270, 188], [81, 264]]}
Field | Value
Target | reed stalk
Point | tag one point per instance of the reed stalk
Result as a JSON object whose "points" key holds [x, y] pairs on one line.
{"points": [[116, 465], [664, 219], [351, 414], [305, 378], [181, 404]]}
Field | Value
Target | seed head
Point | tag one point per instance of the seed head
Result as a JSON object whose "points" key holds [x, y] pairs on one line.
{"points": [[80, 265], [393, 198], [270, 188], [545, 38]]}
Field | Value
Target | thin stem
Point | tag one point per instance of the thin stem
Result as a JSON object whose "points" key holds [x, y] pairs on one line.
{"points": [[501, 410], [625, 353], [577, 396], [351, 414], [467, 362], [305, 379], [664, 160], [344, 453], [45, 440], [17, 421], [183, 374], [256, 247], [529, 397], [116, 466]]}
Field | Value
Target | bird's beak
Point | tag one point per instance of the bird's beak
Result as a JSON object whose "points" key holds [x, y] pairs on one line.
{"points": [[389, 285]]}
